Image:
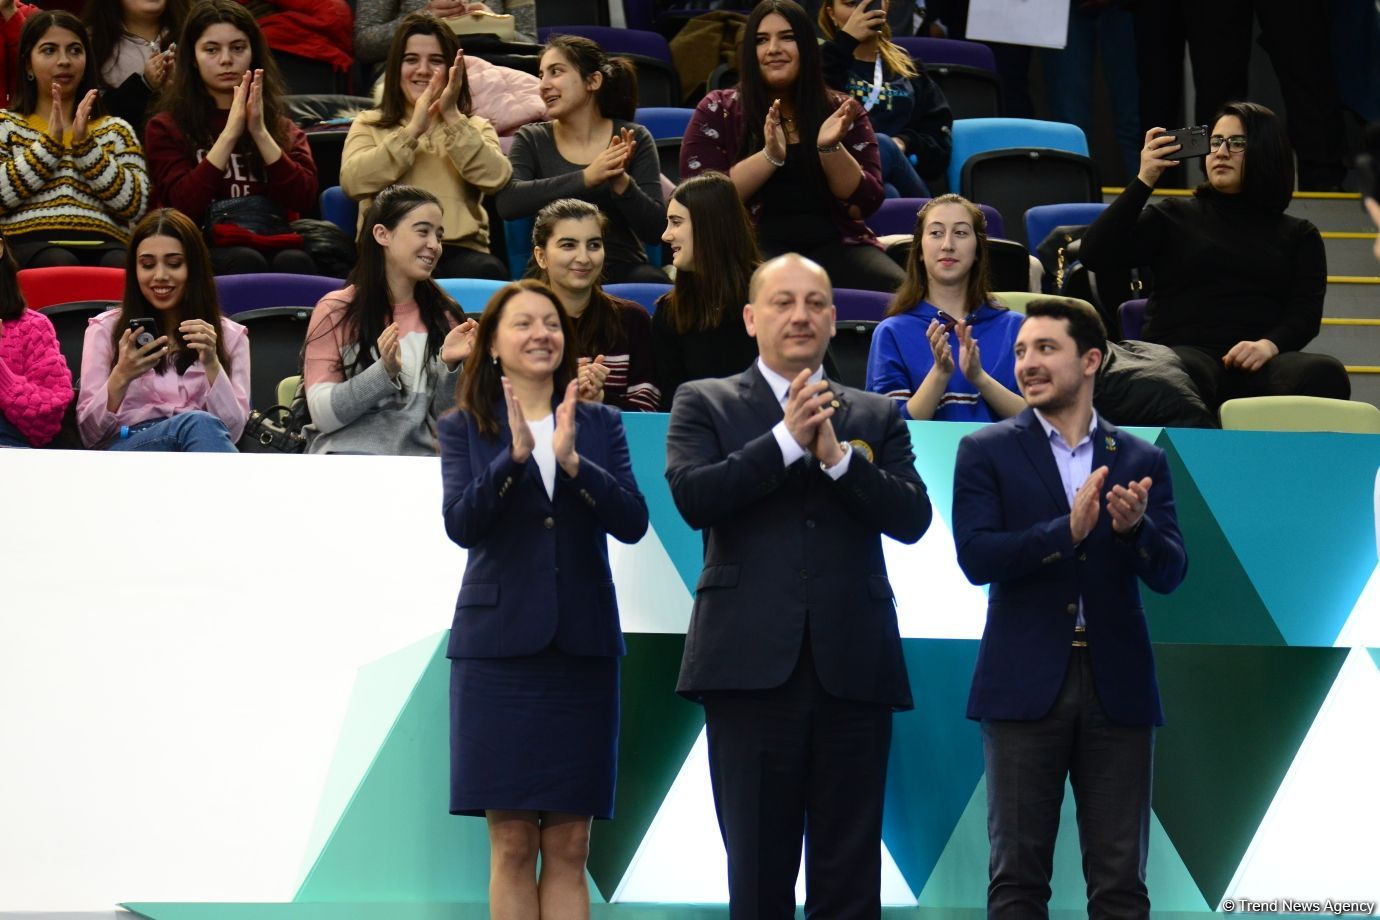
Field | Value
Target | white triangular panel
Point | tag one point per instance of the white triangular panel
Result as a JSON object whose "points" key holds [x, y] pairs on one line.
{"points": [[681, 859], [933, 599], [1363, 625], [1318, 837], [652, 597]]}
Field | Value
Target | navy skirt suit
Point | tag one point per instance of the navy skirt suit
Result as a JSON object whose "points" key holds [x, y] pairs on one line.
{"points": [[535, 642]]}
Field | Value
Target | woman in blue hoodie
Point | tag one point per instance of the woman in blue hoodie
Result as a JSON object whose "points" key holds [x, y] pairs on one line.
{"points": [[946, 350]]}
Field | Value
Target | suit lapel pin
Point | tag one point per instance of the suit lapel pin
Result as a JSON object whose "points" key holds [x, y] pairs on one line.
{"points": [[863, 448], [1110, 443], [836, 404]]}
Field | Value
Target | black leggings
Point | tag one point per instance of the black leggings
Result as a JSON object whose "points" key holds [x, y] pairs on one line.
{"points": [[241, 260], [460, 262], [1289, 373], [46, 255]]}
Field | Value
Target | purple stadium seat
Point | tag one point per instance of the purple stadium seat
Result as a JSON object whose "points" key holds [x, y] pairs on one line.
{"points": [[949, 51], [239, 293], [853, 304], [897, 215], [1132, 316], [616, 41]]}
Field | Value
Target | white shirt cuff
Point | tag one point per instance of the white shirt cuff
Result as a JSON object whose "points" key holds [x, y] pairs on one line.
{"points": [[790, 450], [838, 469]]}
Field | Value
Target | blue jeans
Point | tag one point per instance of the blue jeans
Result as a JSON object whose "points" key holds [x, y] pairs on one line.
{"points": [[11, 436], [187, 432], [899, 178]]}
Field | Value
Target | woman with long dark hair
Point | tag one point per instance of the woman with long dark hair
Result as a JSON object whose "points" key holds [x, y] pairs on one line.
{"points": [[592, 150], [535, 480], [35, 383], [75, 179], [222, 136], [383, 354], [1238, 284], [945, 309], [164, 371], [131, 48], [697, 329], [802, 157], [426, 134], [613, 336]]}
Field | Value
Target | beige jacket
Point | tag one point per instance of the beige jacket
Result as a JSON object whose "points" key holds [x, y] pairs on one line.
{"points": [[458, 164]]}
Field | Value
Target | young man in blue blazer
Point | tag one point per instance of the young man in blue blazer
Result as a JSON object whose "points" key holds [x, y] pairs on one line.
{"points": [[793, 645], [1063, 515]]}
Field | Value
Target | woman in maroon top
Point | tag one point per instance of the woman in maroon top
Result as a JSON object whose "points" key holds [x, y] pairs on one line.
{"points": [[222, 134], [803, 158]]}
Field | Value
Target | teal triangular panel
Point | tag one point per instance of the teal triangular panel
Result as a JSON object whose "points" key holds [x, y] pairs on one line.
{"points": [[935, 445], [360, 911], [926, 790], [1374, 655], [397, 840], [647, 441], [1299, 510], [380, 692], [1236, 718], [1216, 604], [657, 731]]}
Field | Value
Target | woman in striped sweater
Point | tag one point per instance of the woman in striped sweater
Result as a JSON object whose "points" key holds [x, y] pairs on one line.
{"points": [[613, 336], [73, 181]]}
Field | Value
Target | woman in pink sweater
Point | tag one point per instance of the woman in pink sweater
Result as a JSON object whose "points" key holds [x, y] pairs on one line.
{"points": [[35, 384]]}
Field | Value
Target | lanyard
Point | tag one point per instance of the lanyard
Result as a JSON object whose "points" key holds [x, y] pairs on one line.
{"points": [[876, 91]]}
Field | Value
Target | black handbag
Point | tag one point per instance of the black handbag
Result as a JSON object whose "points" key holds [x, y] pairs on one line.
{"points": [[255, 213], [278, 429]]}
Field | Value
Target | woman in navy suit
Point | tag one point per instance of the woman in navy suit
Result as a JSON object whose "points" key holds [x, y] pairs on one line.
{"points": [[534, 480]]}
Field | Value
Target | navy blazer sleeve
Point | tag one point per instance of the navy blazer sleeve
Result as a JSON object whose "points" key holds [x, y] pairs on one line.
{"points": [[475, 491], [610, 491]]}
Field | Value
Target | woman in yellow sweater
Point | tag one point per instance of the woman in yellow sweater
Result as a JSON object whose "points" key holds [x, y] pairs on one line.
{"points": [[424, 135]]}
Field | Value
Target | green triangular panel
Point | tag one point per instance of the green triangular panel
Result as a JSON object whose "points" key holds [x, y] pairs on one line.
{"points": [[960, 875], [381, 689], [647, 441], [655, 737], [926, 789], [1236, 718], [359, 911], [935, 445], [397, 841], [1216, 604], [1259, 495]]}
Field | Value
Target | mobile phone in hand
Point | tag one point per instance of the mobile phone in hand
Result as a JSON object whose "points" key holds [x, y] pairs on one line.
{"points": [[1192, 141], [145, 329]]}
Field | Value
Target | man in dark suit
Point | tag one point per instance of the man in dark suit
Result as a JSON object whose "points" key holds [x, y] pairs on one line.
{"points": [[793, 645], [1065, 680]]}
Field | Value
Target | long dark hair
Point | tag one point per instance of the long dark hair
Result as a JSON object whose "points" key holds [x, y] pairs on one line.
{"points": [[725, 254], [106, 22], [188, 100], [199, 299], [370, 311], [617, 96], [394, 109], [916, 287], [813, 100], [1267, 179], [12, 305], [597, 329], [480, 388], [25, 99]]}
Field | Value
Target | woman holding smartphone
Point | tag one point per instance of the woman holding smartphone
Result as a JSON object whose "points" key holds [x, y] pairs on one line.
{"points": [[909, 113], [928, 352], [164, 371], [534, 482]]}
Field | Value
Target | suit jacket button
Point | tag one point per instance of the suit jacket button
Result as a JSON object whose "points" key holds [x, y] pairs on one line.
{"points": [[804, 575], [1072, 610], [1082, 557], [549, 523]]}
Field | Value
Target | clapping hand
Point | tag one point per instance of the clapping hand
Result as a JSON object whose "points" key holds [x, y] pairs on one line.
{"points": [[447, 105], [938, 335], [1126, 505], [969, 355], [423, 110], [836, 127], [774, 134], [459, 343], [563, 438], [809, 407], [82, 118], [523, 441], [1086, 508], [591, 377], [254, 108], [390, 350], [611, 163]]}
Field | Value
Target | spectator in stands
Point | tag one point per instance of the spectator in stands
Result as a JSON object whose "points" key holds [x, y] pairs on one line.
{"points": [[591, 150], [12, 16], [612, 336], [1238, 284], [131, 48], [35, 384], [312, 42], [945, 309], [697, 328], [909, 113], [426, 134], [75, 179], [222, 151], [534, 481], [802, 157], [383, 355], [178, 380], [376, 21]]}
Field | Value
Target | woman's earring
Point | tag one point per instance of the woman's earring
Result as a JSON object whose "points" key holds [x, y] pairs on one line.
{"points": [[495, 360], [29, 76]]}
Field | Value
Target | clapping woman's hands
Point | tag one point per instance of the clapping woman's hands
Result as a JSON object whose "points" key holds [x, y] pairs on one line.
{"points": [[523, 442], [938, 335], [459, 343], [836, 127], [563, 439]]}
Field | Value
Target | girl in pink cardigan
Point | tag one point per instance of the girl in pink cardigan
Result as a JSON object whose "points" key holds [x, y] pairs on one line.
{"points": [[35, 384]]}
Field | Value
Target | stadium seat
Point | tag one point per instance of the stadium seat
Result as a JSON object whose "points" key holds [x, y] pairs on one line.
{"points": [[341, 210], [69, 322], [854, 304], [849, 349], [239, 293], [897, 215], [1041, 220], [1132, 317], [276, 338], [43, 287], [667, 125], [642, 292], [979, 135], [658, 84], [1300, 413], [472, 294], [965, 71]]}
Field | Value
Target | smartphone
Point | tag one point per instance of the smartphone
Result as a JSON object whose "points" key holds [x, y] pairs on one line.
{"points": [[1192, 141], [948, 321], [875, 5], [145, 330]]}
